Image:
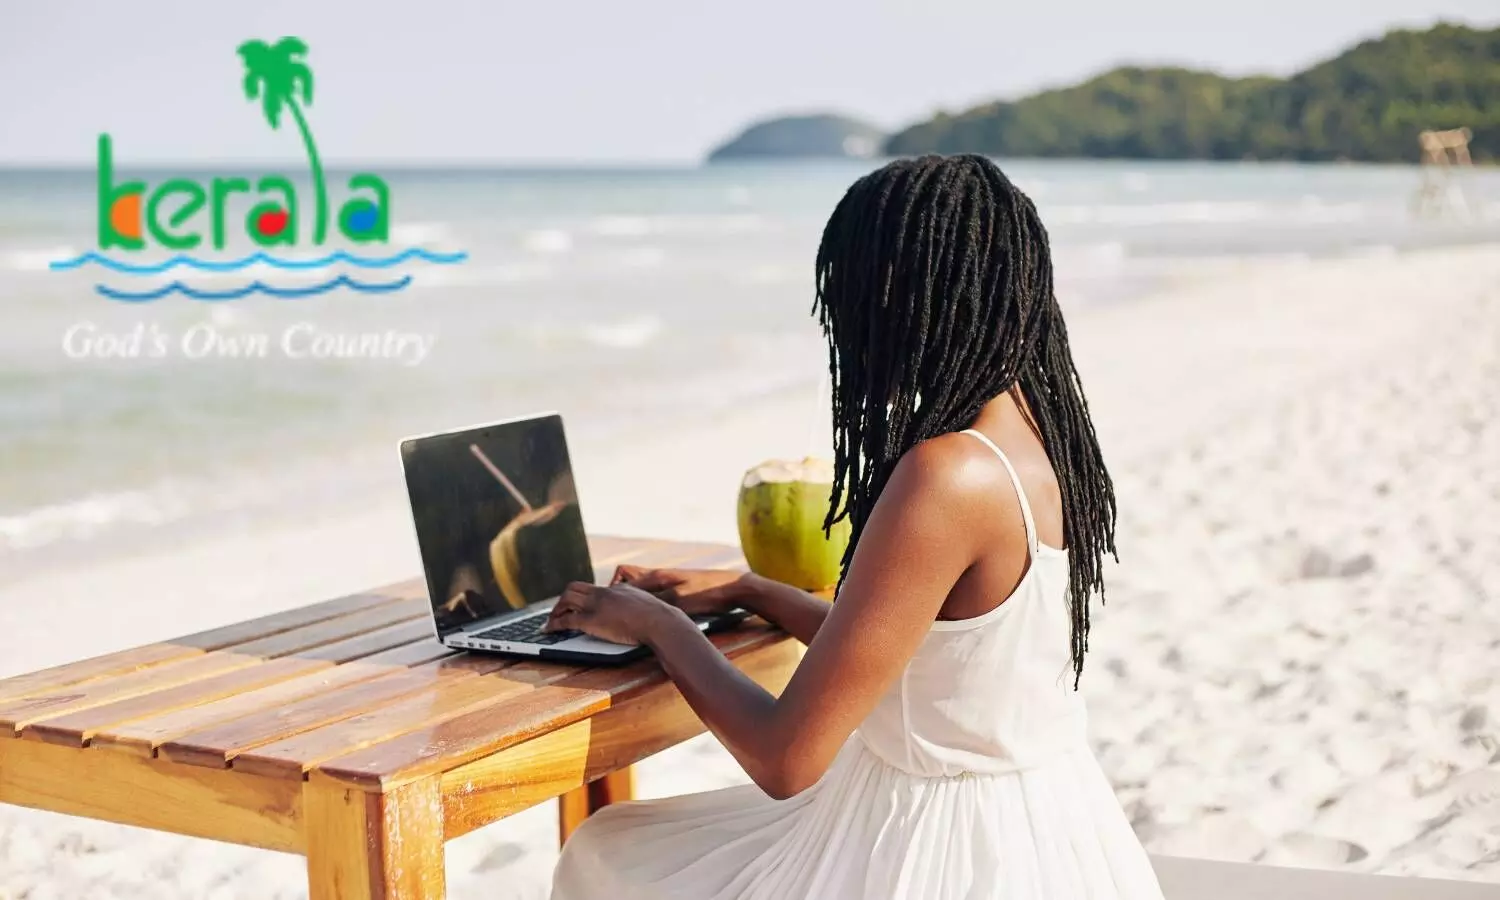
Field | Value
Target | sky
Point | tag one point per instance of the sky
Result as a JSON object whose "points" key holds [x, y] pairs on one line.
{"points": [[602, 81]]}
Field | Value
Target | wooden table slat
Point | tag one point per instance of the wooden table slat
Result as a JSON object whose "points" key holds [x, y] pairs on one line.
{"points": [[474, 735], [84, 671], [710, 556], [372, 642], [127, 661], [414, 654], [342, 628], [79, 727], [606, 550], [683, 554], [291, 757], [266, 626], [143, 736], [217, 745], [15, 715]]}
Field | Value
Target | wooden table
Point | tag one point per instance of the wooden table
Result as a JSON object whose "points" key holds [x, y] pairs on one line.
{"points": [[343, 731]]}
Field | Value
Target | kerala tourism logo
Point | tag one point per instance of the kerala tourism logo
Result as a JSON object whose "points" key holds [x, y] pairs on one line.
{"points": [[189, 216]]}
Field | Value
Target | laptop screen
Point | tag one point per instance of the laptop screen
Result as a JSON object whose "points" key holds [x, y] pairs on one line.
{"points": [[497, 518]]}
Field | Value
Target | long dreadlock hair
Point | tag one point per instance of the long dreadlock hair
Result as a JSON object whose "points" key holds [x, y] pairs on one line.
{"points": [[934, 289]]}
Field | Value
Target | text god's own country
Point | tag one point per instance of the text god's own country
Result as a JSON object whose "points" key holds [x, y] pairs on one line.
{"points": [[206, 340]]}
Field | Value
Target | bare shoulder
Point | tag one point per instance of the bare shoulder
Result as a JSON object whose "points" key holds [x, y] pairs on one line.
{"points": [[953, 483], [929, 526], [954, 476], [951, 467]]}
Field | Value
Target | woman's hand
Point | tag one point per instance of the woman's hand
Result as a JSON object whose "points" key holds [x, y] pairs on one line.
{"points": [[620, 613], [697, 592]]}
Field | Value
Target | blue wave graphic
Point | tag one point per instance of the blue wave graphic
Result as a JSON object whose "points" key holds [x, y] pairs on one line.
{"points": [[209, 265], [254, 287]]}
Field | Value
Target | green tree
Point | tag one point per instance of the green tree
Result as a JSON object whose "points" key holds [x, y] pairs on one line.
{"points": [[276, 75], [1369, 103]]}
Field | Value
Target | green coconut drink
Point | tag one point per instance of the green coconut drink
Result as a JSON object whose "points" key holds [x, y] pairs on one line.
{"points": [[782, 506]]}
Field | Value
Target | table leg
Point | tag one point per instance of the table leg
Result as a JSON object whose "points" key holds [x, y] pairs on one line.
{"points": [[364, 846], [577, 805]]}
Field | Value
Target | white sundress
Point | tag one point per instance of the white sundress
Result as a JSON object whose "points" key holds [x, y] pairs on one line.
{"points": [[972, 779]]}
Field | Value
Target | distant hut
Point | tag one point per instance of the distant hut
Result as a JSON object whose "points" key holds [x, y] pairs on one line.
{"points": [[1443, 152]]}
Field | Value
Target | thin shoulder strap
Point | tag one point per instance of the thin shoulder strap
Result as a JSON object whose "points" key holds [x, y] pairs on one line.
{"points": [[1031, 536]]}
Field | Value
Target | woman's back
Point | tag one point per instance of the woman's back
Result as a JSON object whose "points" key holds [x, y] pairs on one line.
{"points": [[993, 693]]}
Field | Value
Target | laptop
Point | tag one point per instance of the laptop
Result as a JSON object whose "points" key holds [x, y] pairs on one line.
{"points": [[501, 535]]}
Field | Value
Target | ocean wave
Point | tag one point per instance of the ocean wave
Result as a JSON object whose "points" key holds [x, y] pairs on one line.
{"points": [[88, 516], [729, 223], [552, 334], [472, 276], [547, 240], [420, 233], [261, 258], [36, 260], [641, 257], [1312, 208], [1160, 213], [620, 226], [254, 287], [1105, 254], [632, 226], [624, 334], [1306, 210], [1033, 187], [771, 273]]}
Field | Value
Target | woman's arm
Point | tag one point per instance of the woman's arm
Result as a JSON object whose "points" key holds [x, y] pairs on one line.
{"points": [[923, 534], [716, 591], [793, 610]]}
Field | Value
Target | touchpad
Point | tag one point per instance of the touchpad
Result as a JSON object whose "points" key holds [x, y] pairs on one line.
{"points": [[588, 644]]}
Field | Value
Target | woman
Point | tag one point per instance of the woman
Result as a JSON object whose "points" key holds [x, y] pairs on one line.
{"points": [[931, 744]]}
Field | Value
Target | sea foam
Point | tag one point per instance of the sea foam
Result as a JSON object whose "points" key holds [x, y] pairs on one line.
{"points": [[36, 260], [547, 240], [87, 516], [624, 334]]}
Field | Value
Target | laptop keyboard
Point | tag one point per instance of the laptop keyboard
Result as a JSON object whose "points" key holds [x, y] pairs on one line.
{"points": [[526, 631]]}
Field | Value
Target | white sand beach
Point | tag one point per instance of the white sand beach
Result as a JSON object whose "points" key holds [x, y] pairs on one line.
{"points": [[1296, 665]]}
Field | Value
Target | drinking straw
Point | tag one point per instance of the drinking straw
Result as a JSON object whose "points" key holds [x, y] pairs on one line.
{"points": [[499, 476]]}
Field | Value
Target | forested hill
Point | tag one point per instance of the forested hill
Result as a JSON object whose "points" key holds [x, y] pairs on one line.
{"points": [[1369, 103], [824, 134]]}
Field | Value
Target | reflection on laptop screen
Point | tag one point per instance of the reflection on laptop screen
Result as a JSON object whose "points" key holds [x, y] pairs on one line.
{"points": [[497, 518]]}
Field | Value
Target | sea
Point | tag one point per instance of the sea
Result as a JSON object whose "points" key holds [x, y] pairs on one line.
{"points": [[631, 299]]}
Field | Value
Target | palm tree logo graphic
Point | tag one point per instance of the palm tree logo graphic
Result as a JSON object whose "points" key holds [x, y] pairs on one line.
{"points": [[276, 75], [132, 213]]}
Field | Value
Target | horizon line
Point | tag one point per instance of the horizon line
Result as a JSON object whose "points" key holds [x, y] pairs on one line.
{"points": [[235, 166], [209, 163]]}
